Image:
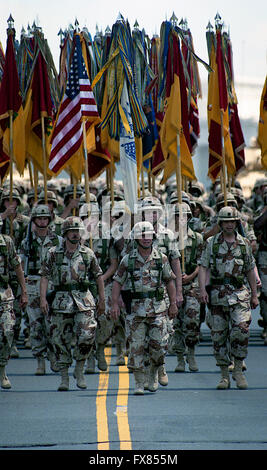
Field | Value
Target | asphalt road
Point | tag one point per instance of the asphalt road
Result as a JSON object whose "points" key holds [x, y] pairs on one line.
{"points": [[188, 414]]}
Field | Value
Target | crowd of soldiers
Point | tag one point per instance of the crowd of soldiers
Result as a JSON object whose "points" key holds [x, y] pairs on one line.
{"points": [[78, 275]]}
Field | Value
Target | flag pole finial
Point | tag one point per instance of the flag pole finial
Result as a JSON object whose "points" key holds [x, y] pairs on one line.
{"points": [[209, 27], [218, 21], [76, 24], [10, 23], [173, 20], [136, 25]]}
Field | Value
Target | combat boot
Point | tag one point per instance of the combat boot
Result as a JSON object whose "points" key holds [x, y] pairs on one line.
{"points": [[40, 366], [146, 377], [90, 364], [238, 375], [5, 383], [139, 382], [14, 351], [120, 361], [53, 362], [101, 360], [153, 378], [190, 358], [224, 383], [64, 386], [180, 363], [78, 374], [162, 375]]}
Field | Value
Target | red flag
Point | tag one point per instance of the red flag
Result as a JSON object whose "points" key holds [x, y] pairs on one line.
{"points": [[11, 100], [41, 98], [78, 103], [10, 96]]}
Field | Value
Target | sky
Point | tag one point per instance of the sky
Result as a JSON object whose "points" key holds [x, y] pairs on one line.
{"points": [[246, 20]]}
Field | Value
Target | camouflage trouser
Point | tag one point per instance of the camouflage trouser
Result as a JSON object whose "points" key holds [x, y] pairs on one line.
{"points": [[262, 268], [17, 309], [146, 334], [230, 331], [186, 324], [7, 323], [108, 328], [81, 325]]}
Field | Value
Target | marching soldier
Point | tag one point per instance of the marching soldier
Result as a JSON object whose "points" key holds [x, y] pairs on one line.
{"points": [[69, 268], [186, 324], [227, 259], [102, 245], [56, 221], [142, 273], [9, 262], [33, 248]]}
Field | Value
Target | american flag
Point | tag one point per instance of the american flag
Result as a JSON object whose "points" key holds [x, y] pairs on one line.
{"points": [[78, 102]]}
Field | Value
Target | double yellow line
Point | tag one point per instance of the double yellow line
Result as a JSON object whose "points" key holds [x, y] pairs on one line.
{"points": [[121, 410]]}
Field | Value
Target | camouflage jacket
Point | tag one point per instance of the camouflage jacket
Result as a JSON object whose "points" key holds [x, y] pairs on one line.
{"points": [[9, 261], [145, 278], [36, 254], [20, 224], [192, 252], [72, 274], [227, 266], [103, 248]]}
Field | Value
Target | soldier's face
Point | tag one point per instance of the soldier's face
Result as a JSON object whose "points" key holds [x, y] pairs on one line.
{"points": [[73, 236], [229, 226], [146, 241], [41, 222]]}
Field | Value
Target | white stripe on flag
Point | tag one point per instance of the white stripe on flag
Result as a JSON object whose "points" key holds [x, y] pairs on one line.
{"points": [[128, 155]]}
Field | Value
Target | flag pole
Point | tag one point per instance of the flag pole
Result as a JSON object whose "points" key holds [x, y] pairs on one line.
{"points": [[223, 162], [179, 192], [35, 179], [11, 156], [44, 158], [86, 176], [112, 181]]}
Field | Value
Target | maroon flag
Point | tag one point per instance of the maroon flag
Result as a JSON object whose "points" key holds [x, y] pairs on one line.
{"points": [[10, 96], [41, 98]]}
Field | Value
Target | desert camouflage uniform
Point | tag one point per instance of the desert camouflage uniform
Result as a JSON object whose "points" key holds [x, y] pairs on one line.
{"points": [[9, 260], [38, 322], [104, 251], [262, 268], [73, 308], [147, 318], [20, 224], [186, 325], [229, 301]]}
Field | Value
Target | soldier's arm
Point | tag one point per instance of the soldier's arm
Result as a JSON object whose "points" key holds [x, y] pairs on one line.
{"points": [[176, 267], [202, 274], [111, 270], [116, 290], [261, 221], [253, 285], [21, 279], [43, 290], [171, 289], [101, 295]]}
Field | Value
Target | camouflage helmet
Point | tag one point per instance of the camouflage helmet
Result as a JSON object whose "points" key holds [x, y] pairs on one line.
{"points": [[143, 228], [15, 195], [82, 199], [72, 223], [89, 209], [69, 191], [228, 213], [184, 207], [197, 185], [51, 197], [151, 203], [238, 193], [119, 208], [230, 198], [41, 210]]}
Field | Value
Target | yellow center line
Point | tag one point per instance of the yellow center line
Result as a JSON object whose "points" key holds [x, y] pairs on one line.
{"points": [[122, 408], [101, 411]]}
